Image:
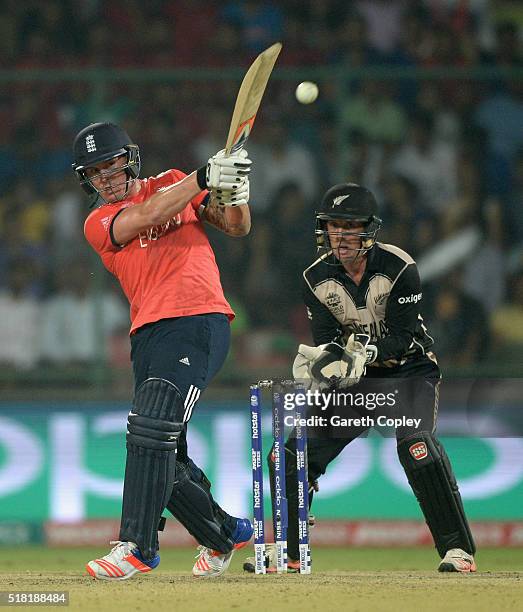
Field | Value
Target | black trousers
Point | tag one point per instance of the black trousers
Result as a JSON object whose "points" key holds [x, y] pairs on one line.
{"points": [[415, 387], [187, 351], [407, 392]]}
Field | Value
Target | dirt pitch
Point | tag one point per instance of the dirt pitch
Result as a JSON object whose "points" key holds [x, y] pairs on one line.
{"points": [[364, 580]]}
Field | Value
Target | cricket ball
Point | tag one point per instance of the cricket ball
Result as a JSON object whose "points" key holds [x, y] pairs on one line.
{"points": [[306, 92]]}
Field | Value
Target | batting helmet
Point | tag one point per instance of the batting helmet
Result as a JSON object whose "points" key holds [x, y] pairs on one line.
{"points": [[101, 142]]}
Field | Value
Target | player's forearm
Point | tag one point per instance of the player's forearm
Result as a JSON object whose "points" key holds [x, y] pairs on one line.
{"points": [[164, 204], [156, 210], [238, 220], [232, 220], [393, 345]]}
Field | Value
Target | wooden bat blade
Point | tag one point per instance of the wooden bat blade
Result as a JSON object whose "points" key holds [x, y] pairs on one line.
{"points": [[249, 98]]}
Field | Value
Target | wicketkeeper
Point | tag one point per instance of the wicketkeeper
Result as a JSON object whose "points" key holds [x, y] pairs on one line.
{"points": [[363, 301]]}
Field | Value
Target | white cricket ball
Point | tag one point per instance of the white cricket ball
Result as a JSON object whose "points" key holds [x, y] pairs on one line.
{"points": [[306, 92]]}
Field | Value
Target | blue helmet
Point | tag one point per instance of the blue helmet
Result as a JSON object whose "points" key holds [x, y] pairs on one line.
{"points": [[101, 142]]}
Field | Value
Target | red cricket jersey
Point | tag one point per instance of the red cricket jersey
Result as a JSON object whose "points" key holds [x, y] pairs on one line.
{"points": [[168, 270]]}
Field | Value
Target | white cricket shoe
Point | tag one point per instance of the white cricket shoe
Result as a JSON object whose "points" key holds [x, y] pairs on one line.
{"points": [[211, 563], [457, 560], [123, 562]]}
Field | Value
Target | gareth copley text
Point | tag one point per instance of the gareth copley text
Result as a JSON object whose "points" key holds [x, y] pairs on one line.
{"points": [[338, 421]]}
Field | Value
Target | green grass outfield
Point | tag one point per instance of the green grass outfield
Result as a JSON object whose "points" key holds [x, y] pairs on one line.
{"points": [[347, 579]]}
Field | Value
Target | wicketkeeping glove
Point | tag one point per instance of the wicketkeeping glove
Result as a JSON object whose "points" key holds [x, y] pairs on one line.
{"points": [[333, 365], [301, 368], [355, 354], [227, 172], [322, 365]]}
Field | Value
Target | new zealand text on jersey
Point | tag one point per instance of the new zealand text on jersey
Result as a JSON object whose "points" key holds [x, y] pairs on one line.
{"points": [[157, 231], [375, 329]]}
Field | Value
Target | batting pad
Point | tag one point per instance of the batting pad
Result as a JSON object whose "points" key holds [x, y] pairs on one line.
{"points": [[430, 475], [153, 428], [193, 505]]}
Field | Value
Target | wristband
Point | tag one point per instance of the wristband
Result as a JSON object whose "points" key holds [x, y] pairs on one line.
{"points": [[201, 177], [203, 205]]}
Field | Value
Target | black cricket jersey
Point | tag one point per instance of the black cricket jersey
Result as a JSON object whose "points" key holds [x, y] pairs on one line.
{"points": [[385, 305]]}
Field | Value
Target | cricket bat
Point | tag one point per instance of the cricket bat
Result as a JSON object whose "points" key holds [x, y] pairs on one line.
{"points": [[249, 98]]}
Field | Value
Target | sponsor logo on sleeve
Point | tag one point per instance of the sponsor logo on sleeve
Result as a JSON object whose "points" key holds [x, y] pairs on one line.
{"points": [[410, 299], [106, 221]]}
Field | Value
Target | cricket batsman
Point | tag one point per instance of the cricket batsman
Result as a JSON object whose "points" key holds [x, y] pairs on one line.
{"points": [[150, 234]]}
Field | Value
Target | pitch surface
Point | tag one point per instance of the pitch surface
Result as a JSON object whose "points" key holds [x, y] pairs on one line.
{"points": [[356, 579]]}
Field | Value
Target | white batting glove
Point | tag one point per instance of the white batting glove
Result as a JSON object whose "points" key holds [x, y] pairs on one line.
{"points": [[232, 197], [227, 172]]}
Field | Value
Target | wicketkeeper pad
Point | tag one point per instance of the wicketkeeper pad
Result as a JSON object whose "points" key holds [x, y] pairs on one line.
{"points": [[431, 477]]}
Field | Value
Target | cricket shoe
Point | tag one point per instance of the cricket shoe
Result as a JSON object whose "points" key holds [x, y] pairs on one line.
{"points": [[457, 560], [270, 562], [124, 561], [212, 563]]}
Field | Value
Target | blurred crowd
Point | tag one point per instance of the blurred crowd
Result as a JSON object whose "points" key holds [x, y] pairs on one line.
{"points": [[442, 152]]}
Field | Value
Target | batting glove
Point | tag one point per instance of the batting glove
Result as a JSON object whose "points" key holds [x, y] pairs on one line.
{"points": [[232, 197], [227, 172]]}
